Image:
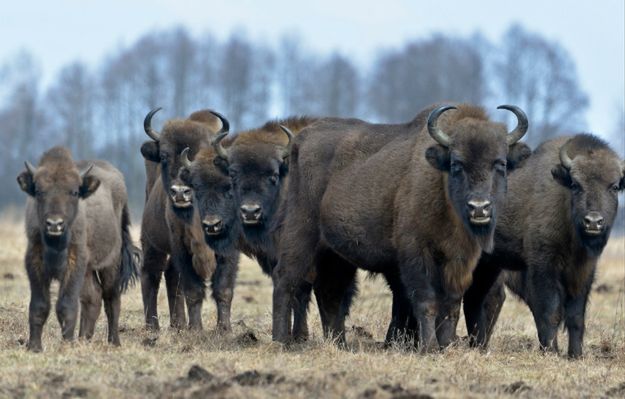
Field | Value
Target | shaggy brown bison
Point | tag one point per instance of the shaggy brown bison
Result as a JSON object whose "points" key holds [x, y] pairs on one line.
{"points": [[417, 202], [171, 226], [77, 224], [239, 186], [552, 230]]}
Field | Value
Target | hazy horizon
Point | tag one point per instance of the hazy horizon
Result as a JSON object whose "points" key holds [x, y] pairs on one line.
{"points": [[64, 31]]}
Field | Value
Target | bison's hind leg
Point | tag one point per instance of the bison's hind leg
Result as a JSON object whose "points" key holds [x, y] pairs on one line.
{"points": [[90, 304], [335, 286], [111, 294]]}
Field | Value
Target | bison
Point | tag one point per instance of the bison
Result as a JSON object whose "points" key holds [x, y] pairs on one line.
{"points": [[552, 230], [239, 189], [77, 224], [171, 226], [416, 202]]}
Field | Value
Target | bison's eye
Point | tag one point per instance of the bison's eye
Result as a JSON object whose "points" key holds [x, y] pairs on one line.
{"points": [[614, 188], [456, 167], [74, 193], [500, 166], [576, 187], [164, 157], [273, 179]]}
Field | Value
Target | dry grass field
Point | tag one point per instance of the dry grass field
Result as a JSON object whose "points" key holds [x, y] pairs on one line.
{"points": [[247, 364]]}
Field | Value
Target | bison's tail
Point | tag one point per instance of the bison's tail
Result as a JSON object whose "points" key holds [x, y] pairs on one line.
{"points": [[131, 255]]}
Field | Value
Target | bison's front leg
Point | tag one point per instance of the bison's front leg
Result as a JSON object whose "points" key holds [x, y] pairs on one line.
{"points": [[545, 302], [447, 321], [151, 274], [419, 288], [223, 281], [192, 284], [67, 308], [175, 297], [38, 311], [482, 302], [300, 312], [575, 310]]}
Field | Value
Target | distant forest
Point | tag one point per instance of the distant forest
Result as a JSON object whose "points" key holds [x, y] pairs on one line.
{"points": [[97, 111]]}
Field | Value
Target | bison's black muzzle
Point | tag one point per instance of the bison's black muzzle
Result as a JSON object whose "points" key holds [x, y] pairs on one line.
{"points": [[55, 227], [593, 223], [181, 196], [212, 226], [479, 212], [251, 214]]}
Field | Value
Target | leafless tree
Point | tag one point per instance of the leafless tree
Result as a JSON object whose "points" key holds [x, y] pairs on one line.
{"points": [[540, 76]]}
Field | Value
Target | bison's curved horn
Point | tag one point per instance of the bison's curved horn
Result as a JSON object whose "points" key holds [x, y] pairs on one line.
{"points": [[85, 172], [522, 124], [184, 157], [290, 134], [225, 125], [147, 125], [219, 149], [436, 133], [29, 167], [565, 160]]}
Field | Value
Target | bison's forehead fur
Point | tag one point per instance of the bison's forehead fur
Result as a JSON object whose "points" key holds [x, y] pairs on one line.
{"points": [[262, 158], [593, 160], [57, 167], [178, 134], [271, 133], [477, 139], [203, 168]]}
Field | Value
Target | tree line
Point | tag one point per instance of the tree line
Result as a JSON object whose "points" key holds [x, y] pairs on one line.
{"points": [[98, 111]]}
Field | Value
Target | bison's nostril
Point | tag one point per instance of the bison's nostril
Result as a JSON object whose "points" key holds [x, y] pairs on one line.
{"points": [[251, 213], [479, 208], [593, 221], [56, 225]]}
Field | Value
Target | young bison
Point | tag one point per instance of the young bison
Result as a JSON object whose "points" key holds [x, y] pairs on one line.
{"points": [[553, 228], [77, 224]]}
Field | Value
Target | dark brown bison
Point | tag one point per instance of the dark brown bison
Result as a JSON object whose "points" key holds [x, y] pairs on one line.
{"points": [[552, 230], [416, 202], [239, 186], [171, 226], [77, 225]]}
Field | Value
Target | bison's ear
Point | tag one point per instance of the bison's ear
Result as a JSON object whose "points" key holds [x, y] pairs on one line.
{"points": [[26, 182], [150, 151], [561, 175], [221, 164], [89, 185], [517, 153], [438, 157]]}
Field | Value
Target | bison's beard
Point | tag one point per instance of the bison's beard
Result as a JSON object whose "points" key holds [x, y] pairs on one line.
{"points": [[485, 236], [594, 244], [184, 214]]}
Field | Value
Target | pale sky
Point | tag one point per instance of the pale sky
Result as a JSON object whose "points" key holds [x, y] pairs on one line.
{"points": [[60, 31]]}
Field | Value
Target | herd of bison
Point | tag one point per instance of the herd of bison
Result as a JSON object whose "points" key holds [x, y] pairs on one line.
{"points": [[449, 208]]}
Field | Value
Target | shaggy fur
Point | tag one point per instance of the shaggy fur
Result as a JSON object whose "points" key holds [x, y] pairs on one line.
{"points": [[93, 259], [390, 200], [255, 157], [541, 239], [174, 232]]}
